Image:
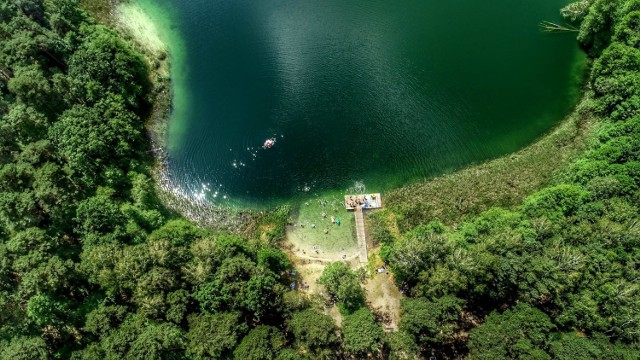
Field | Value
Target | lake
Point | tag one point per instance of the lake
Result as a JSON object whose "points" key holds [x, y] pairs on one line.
{"points": [[378, 92]]}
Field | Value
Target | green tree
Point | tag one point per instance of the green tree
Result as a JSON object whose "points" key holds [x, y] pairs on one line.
{"points": [[555, 202], [431, 321], [597, 26], [228, 246], [45, 273], [273, 259], [33, 88], [177, 232], [401, 346], [519, 333], [214, 336], [573, 346], [312, 330], [263, 296], [105, 64], [614, 79], [178, 302], [417, 251], [158, 341], [628, 29], [44, 310], [24, 348], [343, 285], [64, 15], [24, 124], [289, 354], [151, 290], [228, 288], [362, 336], [104, 319], [91, 138], [98, 214], [130, 264], [138, 338], [261, 343]]}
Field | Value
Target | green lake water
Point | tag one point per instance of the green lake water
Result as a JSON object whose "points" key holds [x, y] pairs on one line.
{"points": [[379, 92]]}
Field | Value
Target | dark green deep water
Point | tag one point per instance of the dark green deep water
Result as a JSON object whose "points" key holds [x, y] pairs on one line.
{"points": [[384, 92]]}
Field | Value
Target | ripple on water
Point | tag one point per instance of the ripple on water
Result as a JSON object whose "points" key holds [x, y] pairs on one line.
{"points": [[385, 92]]}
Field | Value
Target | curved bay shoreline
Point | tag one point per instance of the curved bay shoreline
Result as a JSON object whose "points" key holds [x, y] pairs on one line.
{"points": [[137, 27], [452, 197]]}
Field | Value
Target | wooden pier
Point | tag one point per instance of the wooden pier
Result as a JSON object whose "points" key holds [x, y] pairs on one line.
{"points": [[360, 203], [361, 235]]}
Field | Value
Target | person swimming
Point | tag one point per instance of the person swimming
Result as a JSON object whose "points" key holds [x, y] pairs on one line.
{"points": [[268, 144]]}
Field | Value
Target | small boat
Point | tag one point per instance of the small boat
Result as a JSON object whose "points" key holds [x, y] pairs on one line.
{"points": [[268, 144]]}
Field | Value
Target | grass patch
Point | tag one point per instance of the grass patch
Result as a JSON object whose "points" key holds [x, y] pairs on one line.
{"points": [[504, 182]]}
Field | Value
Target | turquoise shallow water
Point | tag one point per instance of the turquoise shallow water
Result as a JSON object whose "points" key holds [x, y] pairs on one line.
{"points": [[375, 91]]}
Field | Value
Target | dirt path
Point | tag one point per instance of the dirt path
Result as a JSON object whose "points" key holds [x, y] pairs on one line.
{"points": [[383, 298]]}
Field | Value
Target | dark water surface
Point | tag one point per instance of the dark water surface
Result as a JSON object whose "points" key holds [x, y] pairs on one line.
{"points": [[384, 92]]}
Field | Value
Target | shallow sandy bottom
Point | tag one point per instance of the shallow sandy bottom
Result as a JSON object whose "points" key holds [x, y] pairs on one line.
{"points": [[308, 242], [139, 24]]}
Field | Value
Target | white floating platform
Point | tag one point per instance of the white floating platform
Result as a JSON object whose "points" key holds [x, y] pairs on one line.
{"points": [[364, 201]]}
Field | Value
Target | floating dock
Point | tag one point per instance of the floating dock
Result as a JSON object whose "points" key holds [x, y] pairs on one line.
{"points": [[360, 203], [365, 201]]}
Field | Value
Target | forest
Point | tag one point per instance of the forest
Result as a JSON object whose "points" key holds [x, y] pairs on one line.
{"points": [[93, 266]]}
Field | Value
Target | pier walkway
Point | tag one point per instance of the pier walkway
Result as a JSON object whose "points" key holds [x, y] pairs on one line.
{"points": [[361, 235], [360, 203]]}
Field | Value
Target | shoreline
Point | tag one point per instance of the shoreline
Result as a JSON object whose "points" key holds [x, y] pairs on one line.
{"points": [[569, 136], [504, 181], [144, 31]]}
